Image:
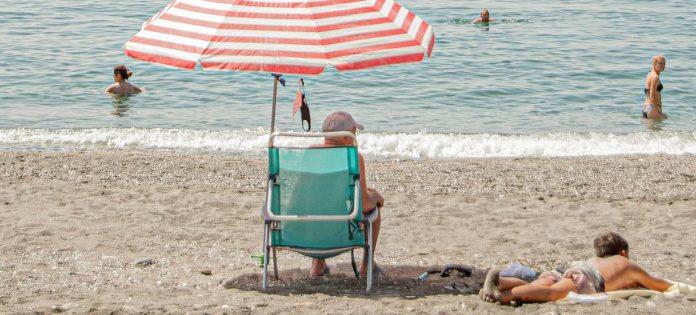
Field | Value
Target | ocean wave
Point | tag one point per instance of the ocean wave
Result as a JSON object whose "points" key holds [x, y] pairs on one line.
{"points": [[422, 145]]}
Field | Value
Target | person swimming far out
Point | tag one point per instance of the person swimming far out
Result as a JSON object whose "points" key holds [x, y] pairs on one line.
{"points": [[483, 18], [652, 107], [121, 86]]}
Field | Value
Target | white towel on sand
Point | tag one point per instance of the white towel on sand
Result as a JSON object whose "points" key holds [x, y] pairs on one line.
{"points": [[677, 288]]}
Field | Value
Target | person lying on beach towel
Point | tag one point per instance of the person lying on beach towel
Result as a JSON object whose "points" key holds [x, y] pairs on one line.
{"points": [[611, 270]]}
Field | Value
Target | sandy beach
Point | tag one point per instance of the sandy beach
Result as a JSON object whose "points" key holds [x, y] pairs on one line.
{"points": [[121, 232]]}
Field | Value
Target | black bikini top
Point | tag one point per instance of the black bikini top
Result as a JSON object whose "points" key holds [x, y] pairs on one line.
{"points": [[659, 89]]}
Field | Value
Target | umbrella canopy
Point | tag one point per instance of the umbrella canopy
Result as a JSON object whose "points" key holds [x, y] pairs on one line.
{"points": [[290, 37]]}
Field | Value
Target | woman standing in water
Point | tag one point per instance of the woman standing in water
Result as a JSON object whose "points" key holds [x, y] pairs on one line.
{"points": [[121, 86], [652, 108]]}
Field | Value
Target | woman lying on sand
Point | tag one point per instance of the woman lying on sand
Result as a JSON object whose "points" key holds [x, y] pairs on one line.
{"points": [[610, 270]]}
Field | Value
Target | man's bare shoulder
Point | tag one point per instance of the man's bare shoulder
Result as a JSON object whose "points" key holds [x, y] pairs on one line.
{"points": [[614, 259], [616, 262]]}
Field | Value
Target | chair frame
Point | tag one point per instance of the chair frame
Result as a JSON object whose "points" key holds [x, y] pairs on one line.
{"points": [[271, 219]]}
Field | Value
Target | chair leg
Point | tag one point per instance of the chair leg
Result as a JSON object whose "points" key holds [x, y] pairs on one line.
{"points": [[368, 248], [275, 264], [355, 266], [266, 231]]}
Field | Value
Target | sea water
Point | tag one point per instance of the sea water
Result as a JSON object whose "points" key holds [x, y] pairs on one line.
{"points": [[547, 78]]}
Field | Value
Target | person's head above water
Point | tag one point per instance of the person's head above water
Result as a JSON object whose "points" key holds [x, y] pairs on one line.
{"points": [[610, 244], [120, 85], [485, 16], [121, 73]]}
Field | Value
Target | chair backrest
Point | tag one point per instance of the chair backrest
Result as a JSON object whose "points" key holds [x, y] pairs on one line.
{"points": [[315, 181]]}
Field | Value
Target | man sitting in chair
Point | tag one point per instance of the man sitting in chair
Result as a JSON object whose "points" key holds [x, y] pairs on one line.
{"points": [[372, 200]]}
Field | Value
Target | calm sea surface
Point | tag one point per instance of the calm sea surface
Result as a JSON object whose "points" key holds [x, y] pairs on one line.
{"points": [[547, 77]]}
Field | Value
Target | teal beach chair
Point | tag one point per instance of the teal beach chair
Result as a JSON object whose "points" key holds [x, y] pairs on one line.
{"points": [[314, 204]]}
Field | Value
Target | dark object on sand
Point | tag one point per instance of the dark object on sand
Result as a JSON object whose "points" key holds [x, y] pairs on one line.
{"points": [[463, 270], [143, 262]]}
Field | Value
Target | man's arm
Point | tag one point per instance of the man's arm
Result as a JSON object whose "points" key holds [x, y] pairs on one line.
{"points": [[647, 280], [376, 197], [370, 197]]}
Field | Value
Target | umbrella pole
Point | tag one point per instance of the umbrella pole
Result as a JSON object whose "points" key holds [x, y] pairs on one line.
{"points": [[275, 93]]}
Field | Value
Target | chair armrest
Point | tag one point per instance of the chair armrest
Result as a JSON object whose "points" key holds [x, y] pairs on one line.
{"points": [[372, 215], [269, 216]]}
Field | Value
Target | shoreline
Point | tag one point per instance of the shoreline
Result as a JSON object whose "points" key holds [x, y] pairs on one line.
{"points": [[375, 145], [74, 225]]}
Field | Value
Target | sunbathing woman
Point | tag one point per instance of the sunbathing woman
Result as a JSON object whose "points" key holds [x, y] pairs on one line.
{"points": [[610, 270]]}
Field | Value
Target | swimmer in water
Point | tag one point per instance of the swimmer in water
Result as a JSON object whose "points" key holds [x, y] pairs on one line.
{"points": [[484, 18], [121, 86]]}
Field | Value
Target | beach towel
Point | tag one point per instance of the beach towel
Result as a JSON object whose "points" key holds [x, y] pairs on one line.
{"points": [[677, 288]]}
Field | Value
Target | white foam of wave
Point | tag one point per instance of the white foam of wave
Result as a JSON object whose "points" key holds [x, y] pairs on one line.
{"points": [[421, 145], [452, 146], [238, 140]]}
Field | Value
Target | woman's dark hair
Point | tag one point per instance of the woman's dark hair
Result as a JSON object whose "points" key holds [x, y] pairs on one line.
{"points": [[610, 244], [123, 71]]}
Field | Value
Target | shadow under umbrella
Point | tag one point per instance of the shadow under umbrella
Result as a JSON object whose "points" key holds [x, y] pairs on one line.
{"points": [[403, 281]]}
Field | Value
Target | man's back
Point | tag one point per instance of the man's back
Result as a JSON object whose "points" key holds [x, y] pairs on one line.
{"points": [[620, 273]]}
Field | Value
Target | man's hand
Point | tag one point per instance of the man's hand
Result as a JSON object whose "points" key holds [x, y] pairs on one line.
{"points": [[375, 196]]}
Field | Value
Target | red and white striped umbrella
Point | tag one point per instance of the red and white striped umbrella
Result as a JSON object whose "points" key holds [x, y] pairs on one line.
{"points": [[290, 37]]}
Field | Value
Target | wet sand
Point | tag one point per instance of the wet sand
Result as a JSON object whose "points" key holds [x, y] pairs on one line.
{"points": [[75, 225]]}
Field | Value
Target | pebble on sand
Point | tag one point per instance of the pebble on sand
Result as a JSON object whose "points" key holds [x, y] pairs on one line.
{"points": [[60, 308], [143, 262]]}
